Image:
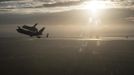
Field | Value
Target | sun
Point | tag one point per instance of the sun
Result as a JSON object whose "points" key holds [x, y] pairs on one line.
{"points": [[94, 9], [96, 5]]}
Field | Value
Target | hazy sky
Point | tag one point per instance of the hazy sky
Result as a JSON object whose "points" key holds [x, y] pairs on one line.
{"points": [[65, 12], [62, 11]]}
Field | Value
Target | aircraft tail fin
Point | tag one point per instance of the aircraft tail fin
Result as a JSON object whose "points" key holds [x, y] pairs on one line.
{"points": [[35, 25], [41, 30]]}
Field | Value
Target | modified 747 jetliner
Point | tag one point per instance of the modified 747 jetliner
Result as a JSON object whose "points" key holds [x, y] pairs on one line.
{"points": [[31, 30]]}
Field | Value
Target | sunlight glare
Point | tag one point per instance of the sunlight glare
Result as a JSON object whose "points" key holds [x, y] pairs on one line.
{"points": [[96, 5], [94, 8]]}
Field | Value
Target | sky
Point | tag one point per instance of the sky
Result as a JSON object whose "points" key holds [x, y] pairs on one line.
{"points": [[30, 7], [117, 15]]}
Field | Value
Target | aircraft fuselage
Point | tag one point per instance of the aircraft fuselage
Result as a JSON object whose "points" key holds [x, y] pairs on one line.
{"points": [[30, 33]]}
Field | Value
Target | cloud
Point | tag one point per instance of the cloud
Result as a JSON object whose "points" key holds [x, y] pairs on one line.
{"points": [[59, 3], [69, 3], [19, 4], [37, 6], [36, 3], [48, 6]]}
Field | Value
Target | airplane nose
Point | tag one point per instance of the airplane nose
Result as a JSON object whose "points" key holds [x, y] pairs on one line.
{"points": [[17, 30]]}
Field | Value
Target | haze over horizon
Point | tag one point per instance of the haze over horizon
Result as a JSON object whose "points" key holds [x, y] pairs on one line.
{"points": [[116, 17]]}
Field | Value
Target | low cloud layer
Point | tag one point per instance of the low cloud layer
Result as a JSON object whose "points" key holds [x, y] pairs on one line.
{"points": [[48, 6], [56, 3]]}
